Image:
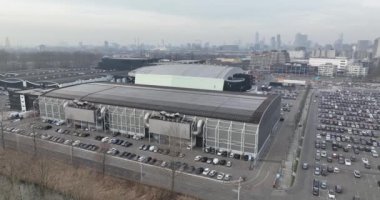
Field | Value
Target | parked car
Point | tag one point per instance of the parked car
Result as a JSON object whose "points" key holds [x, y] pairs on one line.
{"points": [[220, 176], [197, 158], [305, 166], [227, 177], [338, 189], [357, 173], [206, 171]]}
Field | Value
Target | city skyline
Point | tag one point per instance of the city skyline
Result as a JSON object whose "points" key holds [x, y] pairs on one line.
{"points": [[222, 22]]}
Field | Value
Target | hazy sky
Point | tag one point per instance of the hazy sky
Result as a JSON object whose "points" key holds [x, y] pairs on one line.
{"points": [[33, 22]]}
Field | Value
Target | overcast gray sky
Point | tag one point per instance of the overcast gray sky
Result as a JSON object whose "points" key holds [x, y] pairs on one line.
{"points": [[32, 22]]}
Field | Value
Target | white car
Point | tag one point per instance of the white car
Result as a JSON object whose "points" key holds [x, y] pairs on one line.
{"points": [[142, 158], [76, 143], [197, 158], [227, 177], [206, 171], [374, 153], [67, 142], [323, 154], [220, 176], [365, 160], [328, 137], [319, 136], [347, 162], [105, 139], [331, 194], [336, 170]]}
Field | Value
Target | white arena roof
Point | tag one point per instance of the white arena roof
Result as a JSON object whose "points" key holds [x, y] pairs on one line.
{"points": [[193, 70]]}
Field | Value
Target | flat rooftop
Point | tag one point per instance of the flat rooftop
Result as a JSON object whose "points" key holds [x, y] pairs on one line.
{"points": [[243, 107]]}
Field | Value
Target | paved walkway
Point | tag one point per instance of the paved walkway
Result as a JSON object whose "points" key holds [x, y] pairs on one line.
{"points": [[287, 170]]}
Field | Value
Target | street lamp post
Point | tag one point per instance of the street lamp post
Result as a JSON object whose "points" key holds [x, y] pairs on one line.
{"points": [[141, 172], [34, 140], [239, 187]]}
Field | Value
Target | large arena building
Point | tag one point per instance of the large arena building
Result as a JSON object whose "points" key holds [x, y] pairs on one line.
{"points": [[196, 76], [237, 122]]}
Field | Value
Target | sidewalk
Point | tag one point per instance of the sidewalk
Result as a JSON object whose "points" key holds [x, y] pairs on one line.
{"points": [[286, 179]]}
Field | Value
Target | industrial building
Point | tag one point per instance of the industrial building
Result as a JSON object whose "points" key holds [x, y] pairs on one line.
{"points": [[340, 62], [294, 68], [237, 122], [206, 77], [124, 63], [268, 58], [25, 100]]}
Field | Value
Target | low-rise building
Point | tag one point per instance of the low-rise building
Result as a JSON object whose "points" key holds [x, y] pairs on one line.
{"points": [[267, 58], [357, 70], [340, 62], [328, 69]]}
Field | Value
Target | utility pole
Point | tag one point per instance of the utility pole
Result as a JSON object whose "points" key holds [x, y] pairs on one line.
{"points": [[72, 149], [239, 187], [141, 172], [2, 130], [34, 140]]}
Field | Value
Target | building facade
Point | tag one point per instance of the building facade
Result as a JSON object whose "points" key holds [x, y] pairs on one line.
{"points": [[294, 68], [376, 48], [240, 123], [340, 62], [327, 70], [267, 58], [357, 70]]}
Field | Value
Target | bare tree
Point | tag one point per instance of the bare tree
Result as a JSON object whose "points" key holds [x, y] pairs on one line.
{"points": [[102, 155], [175, 144], [43, 172]]}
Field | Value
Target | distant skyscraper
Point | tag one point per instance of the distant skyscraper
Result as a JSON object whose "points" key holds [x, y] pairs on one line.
{"points": [[106, 45], [279, 41], [301, 40], [376, 48], [338, 45], [273, 42], [257, 38], [7, 43], [363, 45]]}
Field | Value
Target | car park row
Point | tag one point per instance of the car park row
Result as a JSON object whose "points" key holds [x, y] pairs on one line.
{"points": [[114, 151]]}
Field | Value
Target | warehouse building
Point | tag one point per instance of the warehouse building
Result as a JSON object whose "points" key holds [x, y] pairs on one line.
{"points": [[196, 76], [124, 63], [237, 122], [25, 100]]}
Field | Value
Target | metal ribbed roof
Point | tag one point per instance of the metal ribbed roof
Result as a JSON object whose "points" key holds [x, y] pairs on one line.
{"points": [[220, 105]]}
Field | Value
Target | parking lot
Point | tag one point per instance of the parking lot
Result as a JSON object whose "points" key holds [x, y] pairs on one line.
{"points": [[344, 136], [212, 164]]}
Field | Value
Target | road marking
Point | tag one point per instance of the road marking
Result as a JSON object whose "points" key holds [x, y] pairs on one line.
{"points": [[262, 181]]}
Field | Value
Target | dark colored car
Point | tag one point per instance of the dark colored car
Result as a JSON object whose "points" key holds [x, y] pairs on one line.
{"points": [[199, 170], [315, 191], [338, 189]]}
